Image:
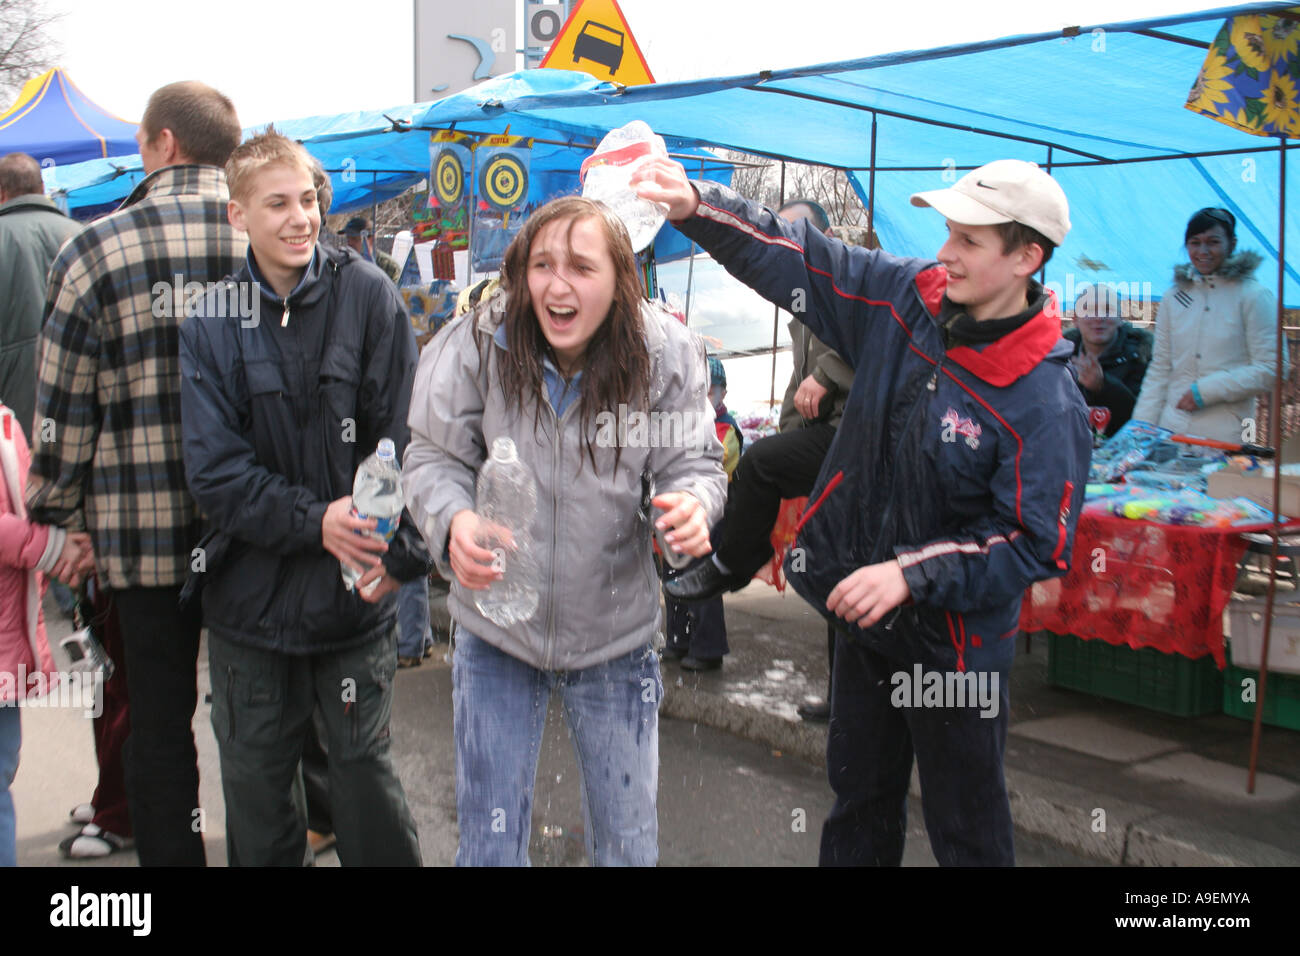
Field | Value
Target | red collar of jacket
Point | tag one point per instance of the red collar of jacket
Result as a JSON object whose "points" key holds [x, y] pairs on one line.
{"points": [[1003, 361]]}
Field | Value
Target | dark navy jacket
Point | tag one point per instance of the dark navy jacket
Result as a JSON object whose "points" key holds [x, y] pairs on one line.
{"points": [[966, 464], [277, 414]]}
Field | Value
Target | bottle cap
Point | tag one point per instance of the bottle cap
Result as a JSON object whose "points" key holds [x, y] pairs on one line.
{"points": [[386, 451], [503, 450]]}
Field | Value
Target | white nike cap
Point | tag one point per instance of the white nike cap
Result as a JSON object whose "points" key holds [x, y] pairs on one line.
{"points": [[1005, 190]]}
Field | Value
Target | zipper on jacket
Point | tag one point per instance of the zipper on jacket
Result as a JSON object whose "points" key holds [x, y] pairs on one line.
{"points": [[932, 386], [284, 319]]}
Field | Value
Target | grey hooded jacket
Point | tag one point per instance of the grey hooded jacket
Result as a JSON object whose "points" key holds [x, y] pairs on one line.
{"points": [[598, 591]]}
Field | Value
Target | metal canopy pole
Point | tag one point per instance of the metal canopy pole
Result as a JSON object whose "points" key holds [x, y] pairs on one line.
{"points": [[776, 311], [871, 186], [1275, 439]]}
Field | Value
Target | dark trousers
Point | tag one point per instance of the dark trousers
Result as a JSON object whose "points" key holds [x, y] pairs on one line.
{"points": [[113, 726], [869, 760], [262, 706], [316, 775], [698, 629], [776, 467], [161, 763]]}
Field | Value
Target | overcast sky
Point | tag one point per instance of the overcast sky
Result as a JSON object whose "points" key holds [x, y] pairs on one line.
{"points": [[281, 59]]}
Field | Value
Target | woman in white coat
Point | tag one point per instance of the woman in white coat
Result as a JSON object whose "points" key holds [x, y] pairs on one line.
{"points": [[1216, 339]]}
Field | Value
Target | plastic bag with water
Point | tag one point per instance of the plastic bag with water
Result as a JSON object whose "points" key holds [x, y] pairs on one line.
{"points": [[606, 172]]}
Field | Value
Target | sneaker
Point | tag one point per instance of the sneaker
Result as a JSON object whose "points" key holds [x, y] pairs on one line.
{"points": [[82, 814], [92, 843], [410, 661]]}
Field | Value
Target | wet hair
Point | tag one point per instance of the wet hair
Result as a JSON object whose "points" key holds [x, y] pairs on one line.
{"points": [[1206, 219], [816, 213], [20, 174], [202, 121], [269, 148], [1017, 234], [616, 367]]}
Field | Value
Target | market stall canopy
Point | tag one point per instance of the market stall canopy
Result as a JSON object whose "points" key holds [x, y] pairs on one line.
{"points": [[57, 124], [1101, 105]]}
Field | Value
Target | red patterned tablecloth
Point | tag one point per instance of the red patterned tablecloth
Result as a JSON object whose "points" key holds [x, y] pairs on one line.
{"points": [[1142, 584]]}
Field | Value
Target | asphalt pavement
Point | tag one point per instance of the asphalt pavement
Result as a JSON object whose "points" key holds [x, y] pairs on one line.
{"points": [[742, 777]]}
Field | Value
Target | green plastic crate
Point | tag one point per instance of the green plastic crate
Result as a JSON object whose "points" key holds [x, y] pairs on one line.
{"points": [[1145, 677], [1281, 698]]}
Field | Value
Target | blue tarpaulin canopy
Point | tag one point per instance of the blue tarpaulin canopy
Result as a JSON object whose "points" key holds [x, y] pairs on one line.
{"points": [[1102, 106], [55, 122]]}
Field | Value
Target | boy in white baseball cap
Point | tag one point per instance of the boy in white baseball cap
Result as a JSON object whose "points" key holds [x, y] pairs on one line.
{"points": [[953, 483]]}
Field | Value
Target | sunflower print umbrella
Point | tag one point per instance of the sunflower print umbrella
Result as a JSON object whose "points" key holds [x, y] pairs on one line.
{"points": [[1251, 74]]}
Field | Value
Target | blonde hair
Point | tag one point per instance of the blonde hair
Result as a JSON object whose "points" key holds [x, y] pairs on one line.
{"points": [[268, 148]]}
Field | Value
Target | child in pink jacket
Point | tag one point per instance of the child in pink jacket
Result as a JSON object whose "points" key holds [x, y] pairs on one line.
{"points": [[26, 665]]}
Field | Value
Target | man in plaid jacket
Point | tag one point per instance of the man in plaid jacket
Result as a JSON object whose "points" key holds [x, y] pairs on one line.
{"points": [[107, 440]]}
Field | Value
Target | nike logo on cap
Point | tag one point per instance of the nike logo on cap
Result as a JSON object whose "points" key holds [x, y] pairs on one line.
{"points": [[980, 182]]}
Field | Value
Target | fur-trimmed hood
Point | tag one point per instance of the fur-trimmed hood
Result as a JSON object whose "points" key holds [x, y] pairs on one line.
{"points": [[1238, 266]]}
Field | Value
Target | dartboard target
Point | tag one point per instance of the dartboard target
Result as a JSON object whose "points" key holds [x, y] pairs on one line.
{"points": [[503, 182], [448, 178]]}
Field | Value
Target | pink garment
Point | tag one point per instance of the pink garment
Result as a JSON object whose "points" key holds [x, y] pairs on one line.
{"points": [[23, 547]]}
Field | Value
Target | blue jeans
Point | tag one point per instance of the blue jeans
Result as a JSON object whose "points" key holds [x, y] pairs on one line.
{"points": [[612, 710], [413, 631], [11, 737]]}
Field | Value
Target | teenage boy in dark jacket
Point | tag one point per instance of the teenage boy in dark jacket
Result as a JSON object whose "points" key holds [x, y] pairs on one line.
{"points": [[292, 372], [1110, 356], [954, 481]]}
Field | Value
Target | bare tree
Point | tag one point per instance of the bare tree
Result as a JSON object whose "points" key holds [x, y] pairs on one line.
{"points": [[26, 47], [828, 187]]}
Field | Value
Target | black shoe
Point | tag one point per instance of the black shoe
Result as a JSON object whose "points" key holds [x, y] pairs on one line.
{"points": [[701, 663], [816, 713], [702, 582], [671, 653]]}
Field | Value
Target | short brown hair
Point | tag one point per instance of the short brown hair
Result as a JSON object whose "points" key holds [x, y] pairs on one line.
{"points": [[269, 148], [202, 121], [1017, 234], [20, 174]]}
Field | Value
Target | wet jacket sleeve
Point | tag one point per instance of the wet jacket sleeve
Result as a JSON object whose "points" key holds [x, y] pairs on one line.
{"points": [[446, 447], [383, 403], [791, 265], [67, 401], [239, 495], [1259, 318], [1027, 535], [695, 464]]}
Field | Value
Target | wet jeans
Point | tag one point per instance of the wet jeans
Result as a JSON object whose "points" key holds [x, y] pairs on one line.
{"points": [[612, 710], [10, 738]]}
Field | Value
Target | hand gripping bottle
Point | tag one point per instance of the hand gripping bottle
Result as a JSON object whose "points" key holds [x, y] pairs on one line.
{"points": [[507, 501], [377, 493]]}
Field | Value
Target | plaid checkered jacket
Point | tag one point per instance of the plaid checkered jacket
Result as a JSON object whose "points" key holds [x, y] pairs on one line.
{"points": [[107, 440]]}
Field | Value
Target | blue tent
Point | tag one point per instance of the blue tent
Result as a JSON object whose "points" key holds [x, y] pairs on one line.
{"points": [[56, 123], [1101, 106]]}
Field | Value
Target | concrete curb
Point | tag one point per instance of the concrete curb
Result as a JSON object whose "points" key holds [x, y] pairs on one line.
{"points": [[1133, 834]]}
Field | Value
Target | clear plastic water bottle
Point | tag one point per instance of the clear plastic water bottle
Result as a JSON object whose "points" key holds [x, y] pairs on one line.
{"points": [[377, 493], [605, 174], [507, 501]]}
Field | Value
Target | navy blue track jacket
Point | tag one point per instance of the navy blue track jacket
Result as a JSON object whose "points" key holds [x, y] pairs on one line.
{"points": [[966, 464]]}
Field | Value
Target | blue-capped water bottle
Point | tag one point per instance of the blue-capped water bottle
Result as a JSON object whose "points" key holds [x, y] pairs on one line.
{"points": [[377, 493]]}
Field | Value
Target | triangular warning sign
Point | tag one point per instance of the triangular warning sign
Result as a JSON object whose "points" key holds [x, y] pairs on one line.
{"points": [[595, 39]]}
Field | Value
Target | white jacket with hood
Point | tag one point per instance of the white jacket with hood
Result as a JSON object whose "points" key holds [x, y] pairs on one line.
{"points": [[599, 593], [1217, 332]]}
